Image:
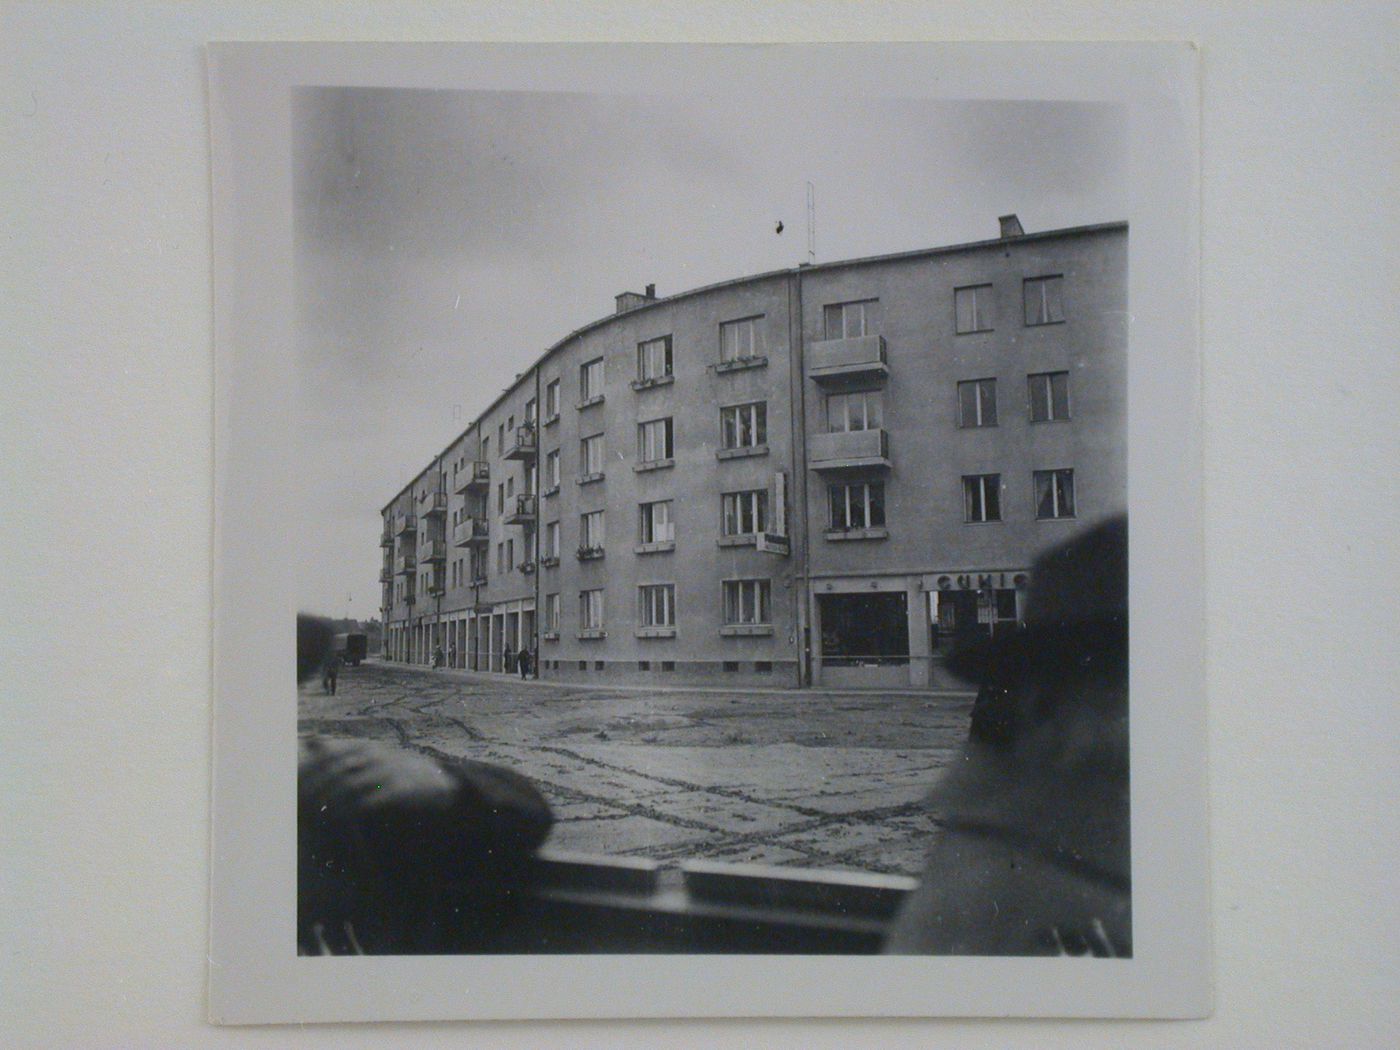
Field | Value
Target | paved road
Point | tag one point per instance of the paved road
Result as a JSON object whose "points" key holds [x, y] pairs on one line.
{"points": [[804, 779]]}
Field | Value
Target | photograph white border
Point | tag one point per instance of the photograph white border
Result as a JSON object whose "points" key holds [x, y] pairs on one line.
{"points": [[255, 975]]}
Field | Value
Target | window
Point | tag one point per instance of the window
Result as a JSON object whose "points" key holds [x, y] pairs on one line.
{"points": [[982, 497], [551, 399], [500, 558], [973, 307], [739, 340], [486, 447], [551, 469], [551, 540], [591, 455], [857, 410], [746, 602], [857, 505], [977, 403], [1054, 494], [500, 497], [510, 555], [510, 487], [551, 613], [657, 525], [657, 605], [530, 407], [1044, 300], [590, 610], [745, 513], [849, 320], [654, 359], [510, 424], [590, 383], [1049, 396], [501, 437], [744, 426], [591, 530], [654, 441]]}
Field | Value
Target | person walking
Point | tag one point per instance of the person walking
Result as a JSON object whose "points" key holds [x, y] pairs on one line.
{"points": [[508, 660]]}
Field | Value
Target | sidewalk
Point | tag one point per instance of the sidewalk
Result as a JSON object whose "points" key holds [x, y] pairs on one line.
{"points": [[501, 678]]}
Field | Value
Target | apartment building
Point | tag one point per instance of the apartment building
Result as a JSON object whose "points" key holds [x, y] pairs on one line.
{"points": [[829, 475]]}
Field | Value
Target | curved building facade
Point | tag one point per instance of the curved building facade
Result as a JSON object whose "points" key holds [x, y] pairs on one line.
{"points": [[829, 475]]}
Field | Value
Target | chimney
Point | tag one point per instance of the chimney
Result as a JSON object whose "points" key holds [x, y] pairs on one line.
{"points": [[1010, 226], [631, 300]]}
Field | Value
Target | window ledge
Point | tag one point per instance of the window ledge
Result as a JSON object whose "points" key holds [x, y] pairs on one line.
{"points": [[654, 548], [877, 533], [550, 636], [647, 384], [1057, 419], [589, 634], [1044, 324], [550, 562], [975, 331], [553, 490], [588, 479], [589, 402], [656, 632], [746, 630], [741, 453], [741, 363], [590, 553], [551, 420], [747, 540], [1062, 517], [653, 464]]}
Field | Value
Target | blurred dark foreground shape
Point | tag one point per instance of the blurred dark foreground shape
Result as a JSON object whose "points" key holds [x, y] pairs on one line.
{"points": [[1033, 856]]}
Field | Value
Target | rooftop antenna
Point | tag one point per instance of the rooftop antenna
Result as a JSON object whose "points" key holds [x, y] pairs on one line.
{"points": [[811, 223]]}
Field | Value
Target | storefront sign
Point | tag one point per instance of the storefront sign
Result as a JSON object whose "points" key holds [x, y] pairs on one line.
{"points": [[975, 581], [772, 543]]}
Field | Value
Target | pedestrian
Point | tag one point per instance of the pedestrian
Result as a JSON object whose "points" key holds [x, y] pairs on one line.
{"points": [[451, 654], [437, 656], [1032, 855], [330, 673], [508, 659], [526, 656]]}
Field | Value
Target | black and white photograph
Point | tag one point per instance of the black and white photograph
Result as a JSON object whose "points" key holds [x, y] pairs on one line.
{"points": [[706, 511]]}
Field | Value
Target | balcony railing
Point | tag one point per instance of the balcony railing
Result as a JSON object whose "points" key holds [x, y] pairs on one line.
{"points": [[432, 551], [404, 523], [522, 444], [386, 575], [405, 564], [432, 503], [437, 586], [849, 450], [470, 531], [476, 475], [386, 538], [862, 357], [524, 511]]}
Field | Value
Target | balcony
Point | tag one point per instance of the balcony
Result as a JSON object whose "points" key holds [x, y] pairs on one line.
{"points": [[437, 586], [410, 598], [862, 357], [524, 512], [527, 567], [386, 575], [432, 551], [852, 450], [405, 524], [521, 444], [477, 475], [405, 564], [386, 538], [432, 504], [470, 532]]}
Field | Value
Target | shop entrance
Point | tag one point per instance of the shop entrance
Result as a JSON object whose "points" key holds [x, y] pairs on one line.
{"points": [[864, 639]]}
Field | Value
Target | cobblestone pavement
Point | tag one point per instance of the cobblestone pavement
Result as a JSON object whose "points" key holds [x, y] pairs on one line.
{"points": [[805, 779]]}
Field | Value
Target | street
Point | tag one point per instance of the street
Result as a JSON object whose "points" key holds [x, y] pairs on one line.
{"points": [[801, 779]]}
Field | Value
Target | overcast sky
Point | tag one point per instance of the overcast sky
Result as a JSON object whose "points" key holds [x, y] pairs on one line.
{"points": [[444, 239]]}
